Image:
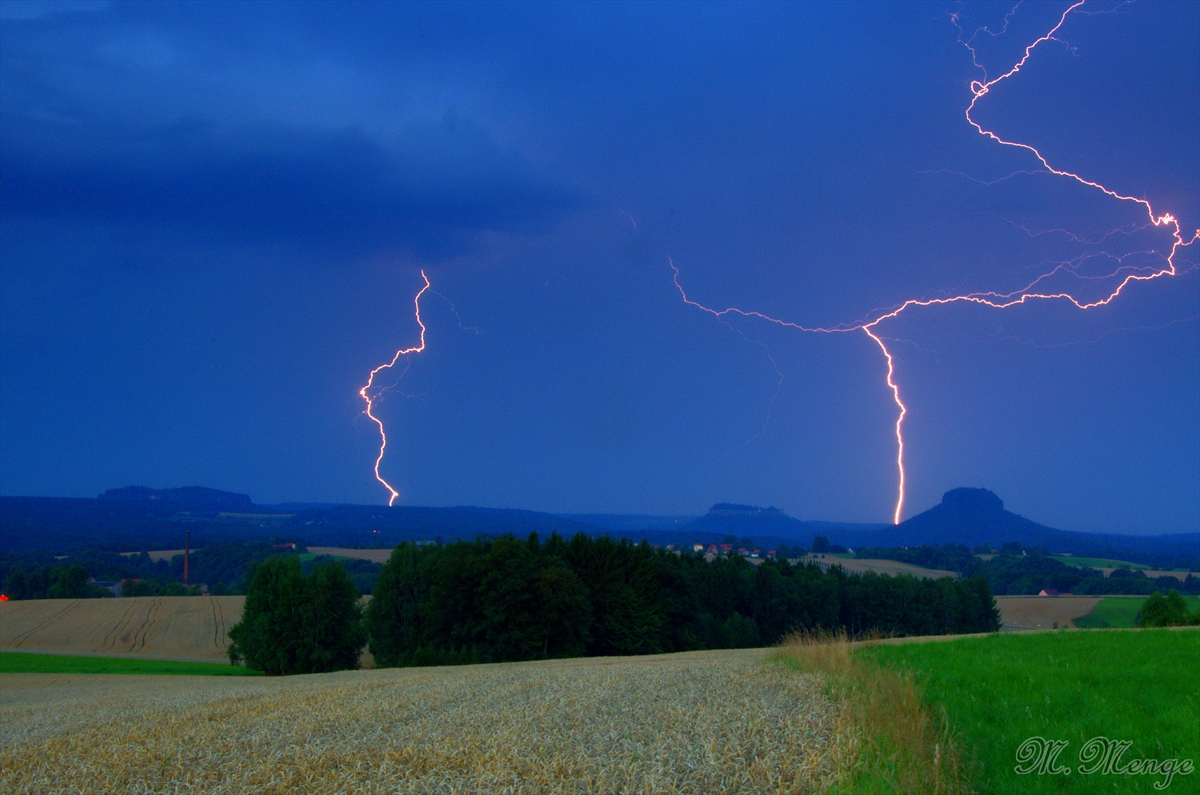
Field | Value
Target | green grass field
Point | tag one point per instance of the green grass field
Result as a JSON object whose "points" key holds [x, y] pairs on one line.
{"points": [[1096, 563], [1120, 613], [21, 663], [998, 691]]}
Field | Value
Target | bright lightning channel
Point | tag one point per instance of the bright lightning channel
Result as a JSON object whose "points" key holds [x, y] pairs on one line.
{"points": [[980, 89], [370, 397]]}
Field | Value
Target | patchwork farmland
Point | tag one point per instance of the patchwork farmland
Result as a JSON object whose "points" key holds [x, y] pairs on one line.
{"points": [[1019, 613], [1044, 612], [709, 721]]}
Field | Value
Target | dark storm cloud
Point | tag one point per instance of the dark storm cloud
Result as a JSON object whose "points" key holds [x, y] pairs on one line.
{"points": [[132, 120], [432, 191]]}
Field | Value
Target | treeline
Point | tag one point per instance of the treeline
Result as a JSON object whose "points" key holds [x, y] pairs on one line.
{"points": [[223, 568], [156, 587], [501, 599], [58, 582], [1022, 571], [948, 557]]}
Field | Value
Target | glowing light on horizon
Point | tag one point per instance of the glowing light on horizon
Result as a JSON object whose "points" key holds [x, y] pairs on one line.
{"points": [[995, 300], [370, 397]]}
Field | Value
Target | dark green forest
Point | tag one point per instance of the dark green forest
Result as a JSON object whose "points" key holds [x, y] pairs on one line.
{"points": [[501, 599], [1016, 571], [223, 567]]}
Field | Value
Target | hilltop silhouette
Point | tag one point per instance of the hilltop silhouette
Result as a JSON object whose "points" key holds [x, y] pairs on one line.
{"points": [[970, 516]]}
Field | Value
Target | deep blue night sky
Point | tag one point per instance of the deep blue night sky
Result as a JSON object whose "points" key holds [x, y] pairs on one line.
{"points": [[214, 218]]}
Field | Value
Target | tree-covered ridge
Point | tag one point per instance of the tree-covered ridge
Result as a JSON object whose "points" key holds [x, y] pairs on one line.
{"points": [[499, 599], [222, 567], [1015, 571]]}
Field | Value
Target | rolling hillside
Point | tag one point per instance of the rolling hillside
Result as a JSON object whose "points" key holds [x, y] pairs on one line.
{"points": [[138, 518]]}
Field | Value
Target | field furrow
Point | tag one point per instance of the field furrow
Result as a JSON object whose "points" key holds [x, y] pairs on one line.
{"points": [[139, 637], [218, 626], [21, 637], [110, 637]]}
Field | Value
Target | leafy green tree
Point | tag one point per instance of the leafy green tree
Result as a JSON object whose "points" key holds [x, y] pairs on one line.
{"points": [[156, 587], [294, 624], [141, 587], [739, 632], [1164, 611], [336, 633], [564, 611], [491, 600], [394, 621], [18, 584], [70, 583]]}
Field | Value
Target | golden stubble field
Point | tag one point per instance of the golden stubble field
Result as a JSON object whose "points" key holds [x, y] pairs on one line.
{"points": [[192, 628], [879, 566], [702, 722], [373, 555]]}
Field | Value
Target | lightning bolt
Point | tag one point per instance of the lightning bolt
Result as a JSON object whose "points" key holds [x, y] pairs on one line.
{"points": [[370, 397], [995, 300]]}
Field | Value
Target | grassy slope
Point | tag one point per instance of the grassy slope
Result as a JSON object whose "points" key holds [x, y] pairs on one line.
{"points": [[1119, 613], [1105, 563], [22, 663], [999, 690]]}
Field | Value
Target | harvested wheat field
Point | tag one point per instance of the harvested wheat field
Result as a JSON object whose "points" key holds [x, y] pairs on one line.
{"points": [[1043, 612], [702, 722], [191, 628], [893, 567], [879, 566], [373, 555]]}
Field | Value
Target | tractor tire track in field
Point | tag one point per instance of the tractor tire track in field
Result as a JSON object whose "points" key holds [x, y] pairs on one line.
{"points": [[27, 634], [218, 624], [139, 637], [110, 639]]}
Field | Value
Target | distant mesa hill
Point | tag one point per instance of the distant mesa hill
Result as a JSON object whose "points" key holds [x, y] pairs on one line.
{"points": [[970, 516], [768, 527], [976, 516], [733, 509]]}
